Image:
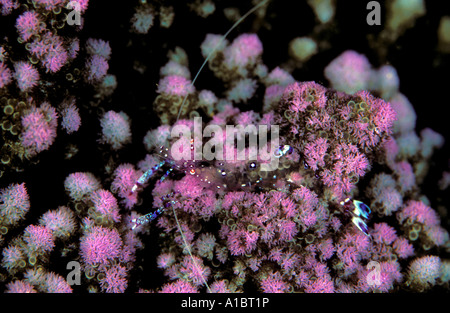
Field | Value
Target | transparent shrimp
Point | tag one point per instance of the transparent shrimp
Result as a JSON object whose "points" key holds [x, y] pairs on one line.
{"points": [[155, 169]]}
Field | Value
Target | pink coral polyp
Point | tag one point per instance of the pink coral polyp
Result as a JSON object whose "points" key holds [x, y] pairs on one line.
{"points": [[175, 85], [100, 245]]}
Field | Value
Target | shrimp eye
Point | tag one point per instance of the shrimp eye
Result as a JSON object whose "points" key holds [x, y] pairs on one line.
{"points": [[283, 150], [277, 153], [289, 150]]}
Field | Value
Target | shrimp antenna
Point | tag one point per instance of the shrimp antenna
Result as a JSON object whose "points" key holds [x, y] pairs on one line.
{"points": [[256, 7], [189, 250], [243, 17]]}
